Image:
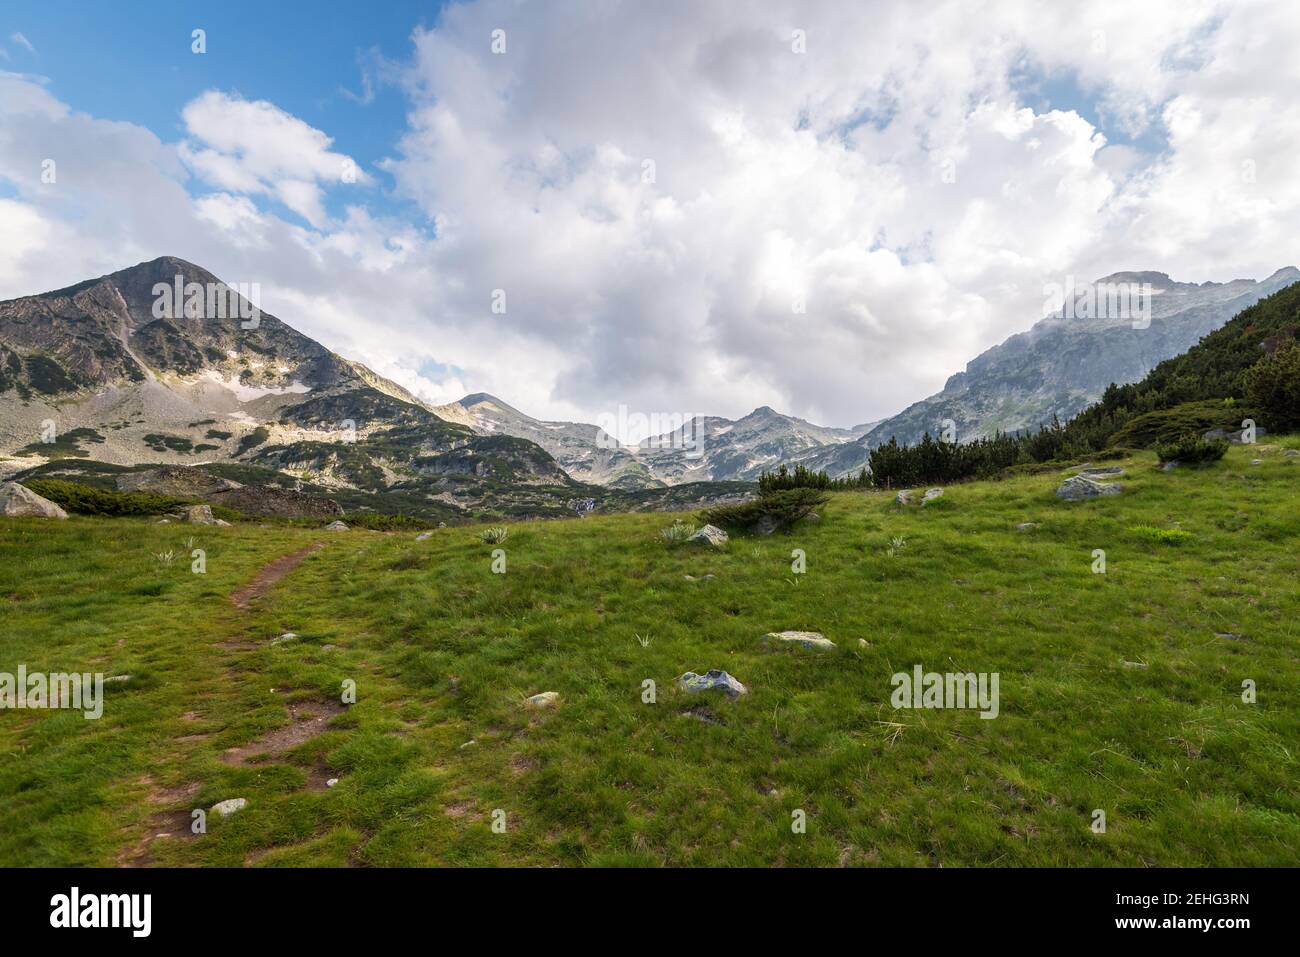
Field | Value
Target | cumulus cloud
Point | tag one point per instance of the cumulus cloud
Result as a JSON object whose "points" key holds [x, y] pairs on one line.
{"points": [[685, 212], [254, 147]]}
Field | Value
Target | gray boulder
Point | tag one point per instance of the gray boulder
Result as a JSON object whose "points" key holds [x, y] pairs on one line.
{"points": [[712, 680], [18, 501], [903, 498], [709, 535], [1080, 487], [931, 494], [336, 527], [810, 640], [200, 515], [229, 806]]}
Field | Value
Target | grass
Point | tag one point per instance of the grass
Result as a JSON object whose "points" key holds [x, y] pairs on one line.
{"points": [[443, 651]]}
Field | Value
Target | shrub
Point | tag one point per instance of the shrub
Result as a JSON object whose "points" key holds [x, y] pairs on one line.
{"points": [[1191, 449], [494, 535], [779, 510], [379, 522], [1273, 386], [677, 532], [86, 500]]}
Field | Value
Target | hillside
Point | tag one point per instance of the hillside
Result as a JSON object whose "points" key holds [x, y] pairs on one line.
{"points": [[1120, 692], [1062, 365]]}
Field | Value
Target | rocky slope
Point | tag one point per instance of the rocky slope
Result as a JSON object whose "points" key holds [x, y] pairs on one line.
{"points": [[115, 369], [705, 449], [1064, 363]]}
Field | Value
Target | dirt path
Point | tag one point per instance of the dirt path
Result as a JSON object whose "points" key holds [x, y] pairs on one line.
{"points": [[269, 574]]}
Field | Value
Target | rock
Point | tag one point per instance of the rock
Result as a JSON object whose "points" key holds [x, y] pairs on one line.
{"points": [[811, 640], [287, 636], [540, 702], [423, 536], [18, 501], [117, 679], [863, 643], [903, 498], [1234, 436], [931, 494], [331, 782], [200, 515], [1079, 487], [269, 501], [1291, 453], [1169, 466], [228, 807], [221, 522], [1256, 461], [712, 680], [1134, 664], [442, 524], [336, 527], [1026, 526], [163, 521], [764, 526], [177, 481], [710, 535], [1228, 635], [692, 578], [468, 744]]}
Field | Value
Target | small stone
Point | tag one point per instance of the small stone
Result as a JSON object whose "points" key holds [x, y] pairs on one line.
{"points": [[903, 498], [810, 640], [200, 515], [331, 782], [287, 636], [229, 807], [710, 535], [118, 679], [1256, 461], [468, 744], [336, 527], [1229, 635], [1026, 526], [692, 578], [1109, 471], [423, 535], [1079, 487], [1291, 453], [221, 522], [328, 647], [1169, 466], [863, 643], [712, 680], [547, 699]]}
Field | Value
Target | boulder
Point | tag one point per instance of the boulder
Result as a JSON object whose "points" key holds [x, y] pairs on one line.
{"points": [[18, 501], [337, 527], [540, 702], [1080, 487], [229, 807], [200, 515], [270, 501], [810, 640], [903, 498], [712, 680], [709, 535], [178, 481], [931, 494]]}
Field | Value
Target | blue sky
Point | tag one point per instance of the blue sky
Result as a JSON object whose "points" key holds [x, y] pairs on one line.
{"points": [[133, 61]]}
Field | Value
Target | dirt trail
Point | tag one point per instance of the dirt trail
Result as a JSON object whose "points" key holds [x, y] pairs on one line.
{"points": [[269, 574], [308, 719]]}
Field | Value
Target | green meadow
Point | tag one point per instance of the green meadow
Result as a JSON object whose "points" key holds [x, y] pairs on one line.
{"points": [[1125, 691]]}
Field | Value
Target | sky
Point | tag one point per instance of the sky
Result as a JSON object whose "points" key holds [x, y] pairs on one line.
{"points": [[677, 207]]}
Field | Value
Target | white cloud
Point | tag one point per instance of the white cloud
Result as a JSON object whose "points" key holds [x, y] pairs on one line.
{"points": [[895, 176], [23, 42], [255, 147]]}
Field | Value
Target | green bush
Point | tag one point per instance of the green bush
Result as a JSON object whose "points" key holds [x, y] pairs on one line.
{"points": [[1273, 386], [779, 510], [1191, 449], [494, 535], [379, 522], [86, 500]]}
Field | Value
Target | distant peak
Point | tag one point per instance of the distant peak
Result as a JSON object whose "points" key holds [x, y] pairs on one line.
{"points": [[1159, 280], [478, 398], [1286, 272]]}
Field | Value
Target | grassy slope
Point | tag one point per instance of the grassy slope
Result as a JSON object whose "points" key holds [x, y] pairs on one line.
{"points": [[1187, 773]]}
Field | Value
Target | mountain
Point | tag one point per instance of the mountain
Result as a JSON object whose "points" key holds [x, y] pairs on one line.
{"points": [[703, 449], [1064, 362], [121, 370]]}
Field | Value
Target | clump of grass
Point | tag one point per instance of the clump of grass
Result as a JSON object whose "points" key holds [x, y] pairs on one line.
{"points": [[677, 532], [1162, 536], [494, 535], [896, 544]]}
